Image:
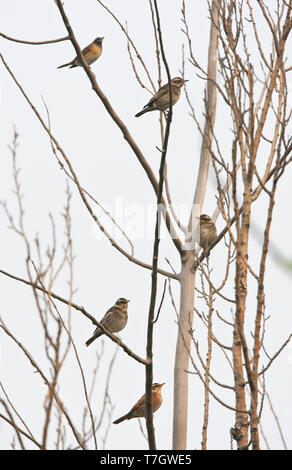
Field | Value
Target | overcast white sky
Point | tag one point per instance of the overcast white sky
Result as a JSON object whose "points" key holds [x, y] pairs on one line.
{"points": [[110, 171]]}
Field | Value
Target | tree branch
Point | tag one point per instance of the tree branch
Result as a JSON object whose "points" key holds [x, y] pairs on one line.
{"points": [[127, 136], [77, 183], [35, 43], [113, 337]]}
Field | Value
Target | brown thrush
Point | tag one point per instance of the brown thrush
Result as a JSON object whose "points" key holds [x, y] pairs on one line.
{"points": [[208, 232], [139, 409], [160, 101], [90, 53], [114, 320]]}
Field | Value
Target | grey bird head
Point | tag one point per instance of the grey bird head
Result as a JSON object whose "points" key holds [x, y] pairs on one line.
{"points": [[178, 81], [98, 40], [205, 218], [157, 386], [122, 301]]}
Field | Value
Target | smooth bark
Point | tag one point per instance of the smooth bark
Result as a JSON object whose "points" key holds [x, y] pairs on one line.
{"points": [[187, 278]]}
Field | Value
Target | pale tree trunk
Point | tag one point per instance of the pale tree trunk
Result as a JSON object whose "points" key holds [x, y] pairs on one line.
{"points": [[180, 412], [240, 431], [187, 276]]}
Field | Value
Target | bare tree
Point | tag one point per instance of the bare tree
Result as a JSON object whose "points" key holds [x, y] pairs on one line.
{"points": [[248, 80], [42, 275]]}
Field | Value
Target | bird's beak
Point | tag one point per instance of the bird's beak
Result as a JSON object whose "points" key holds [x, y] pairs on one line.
{"points": [[128, 301], [186, 81], [161, 385]]}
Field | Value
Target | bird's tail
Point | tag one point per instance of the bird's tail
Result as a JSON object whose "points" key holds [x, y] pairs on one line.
{"points": [[65, 65], [122, 418], [93, 337], [142, 112]]}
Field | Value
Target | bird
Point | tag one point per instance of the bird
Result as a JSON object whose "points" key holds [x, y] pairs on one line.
{"points": [[139, 409], [208, 232], [90, 53], [160, 101], [114, 320]]}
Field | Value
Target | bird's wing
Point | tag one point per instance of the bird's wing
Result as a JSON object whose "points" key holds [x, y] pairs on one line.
{"points": [[86, 50], [108, 315], [161, 92], [138, 404]]}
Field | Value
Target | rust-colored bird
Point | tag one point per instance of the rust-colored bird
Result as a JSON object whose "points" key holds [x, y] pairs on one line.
{"points": [[139, 409], [90, 53]]}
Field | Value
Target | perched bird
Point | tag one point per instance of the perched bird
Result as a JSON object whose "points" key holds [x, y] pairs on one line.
{"points": [[114, 320], [90, 53], [139, 409], [208, 232], [160, 101]]}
